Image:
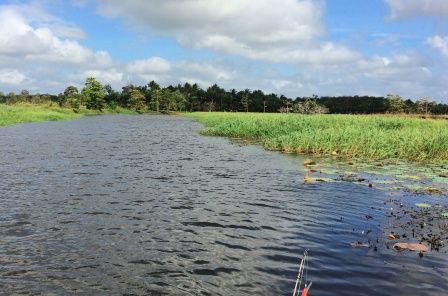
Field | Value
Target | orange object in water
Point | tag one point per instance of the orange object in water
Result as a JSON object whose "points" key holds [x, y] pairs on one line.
{"points": [[304, 292], [306, 289]]}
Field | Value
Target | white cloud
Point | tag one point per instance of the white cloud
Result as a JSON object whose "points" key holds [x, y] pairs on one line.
{"points": [[440, 43], [280, 84], [21, 39], [202, 72], [66, 31], [283, 21], [109, 76], [400, 9], [147, 66], [37, 56], [275, 31], [198, 81], [11, 76], [17, 37], [216, 71]]}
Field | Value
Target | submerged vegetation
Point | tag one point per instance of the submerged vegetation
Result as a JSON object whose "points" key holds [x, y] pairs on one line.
{"points": [[366, 137]]}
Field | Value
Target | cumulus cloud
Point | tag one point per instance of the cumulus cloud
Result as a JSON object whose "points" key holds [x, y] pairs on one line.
{"points": [[151, 65], [406, 74], [37, 16], [401, 9], [35, 55], [66, 31], [11, 76], [204, 73], [440, 43], [395, 70], [19, 39], [109, 76], [276, 31], [266, 22], [32, 48]]}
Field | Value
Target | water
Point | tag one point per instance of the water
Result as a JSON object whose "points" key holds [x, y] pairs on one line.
{"points": [[143, 205]]}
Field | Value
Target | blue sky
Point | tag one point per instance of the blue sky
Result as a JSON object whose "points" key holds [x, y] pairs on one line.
{"points": [[291, 47]]}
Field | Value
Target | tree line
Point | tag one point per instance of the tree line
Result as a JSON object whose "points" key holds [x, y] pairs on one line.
{"points": [[191, 97]]}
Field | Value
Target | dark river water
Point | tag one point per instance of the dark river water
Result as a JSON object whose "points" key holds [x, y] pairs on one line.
{"points": [[144, 205]]}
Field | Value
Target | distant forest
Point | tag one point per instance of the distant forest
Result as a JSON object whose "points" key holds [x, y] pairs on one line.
{"points": [[191, 97]]}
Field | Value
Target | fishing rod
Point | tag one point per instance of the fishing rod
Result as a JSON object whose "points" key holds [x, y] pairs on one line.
{"points": [[303, 270]]}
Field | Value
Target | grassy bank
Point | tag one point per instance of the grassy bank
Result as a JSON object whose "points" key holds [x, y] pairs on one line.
{"points": [[13, 114], [367, 137]]}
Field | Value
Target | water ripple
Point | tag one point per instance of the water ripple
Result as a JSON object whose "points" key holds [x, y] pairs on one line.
{"points": [[143, 205]]}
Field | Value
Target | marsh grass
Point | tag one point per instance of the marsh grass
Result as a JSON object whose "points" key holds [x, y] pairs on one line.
{"points": [[18, 113], [361, 136]]}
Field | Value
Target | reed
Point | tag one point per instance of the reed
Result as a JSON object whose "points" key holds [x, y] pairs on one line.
{"points": [[355, 136], [18, 113]]}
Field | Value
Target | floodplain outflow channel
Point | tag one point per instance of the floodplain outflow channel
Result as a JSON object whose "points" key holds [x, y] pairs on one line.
{"points": [[144, 205]]}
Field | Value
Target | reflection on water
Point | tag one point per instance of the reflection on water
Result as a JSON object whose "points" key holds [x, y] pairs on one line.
{"points": [[144, 205]]}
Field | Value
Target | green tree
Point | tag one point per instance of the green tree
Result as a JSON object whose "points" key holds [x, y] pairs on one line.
{"points": [[111, 96], [137, 101], [395, 104], [245, 100], [24, 96], [156, 97], [218, 97], [210, 105], [309, 106], [177, 101], [93, 94], [71, 91], [73, 98], [424, 106], [167, 101], [11, 98]]}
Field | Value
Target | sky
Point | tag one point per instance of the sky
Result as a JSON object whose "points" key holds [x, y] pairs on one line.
{"points": [[291, 47]]}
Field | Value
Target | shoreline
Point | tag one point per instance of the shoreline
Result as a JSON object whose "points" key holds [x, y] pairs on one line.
{"points": [[26, 113], [360, 137]]}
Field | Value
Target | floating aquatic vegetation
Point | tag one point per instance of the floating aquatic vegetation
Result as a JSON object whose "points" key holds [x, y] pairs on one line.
{"points": [[420, 222], [392, 175], [425, 190], [411, 247], [308, 179], [359, 244], [351, 178], [422, 205], [392, 236], [309, 162]]}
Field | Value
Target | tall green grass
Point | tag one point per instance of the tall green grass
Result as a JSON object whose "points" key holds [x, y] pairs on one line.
{"points": [[28, 113], [13, 114], [360, 136]]}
